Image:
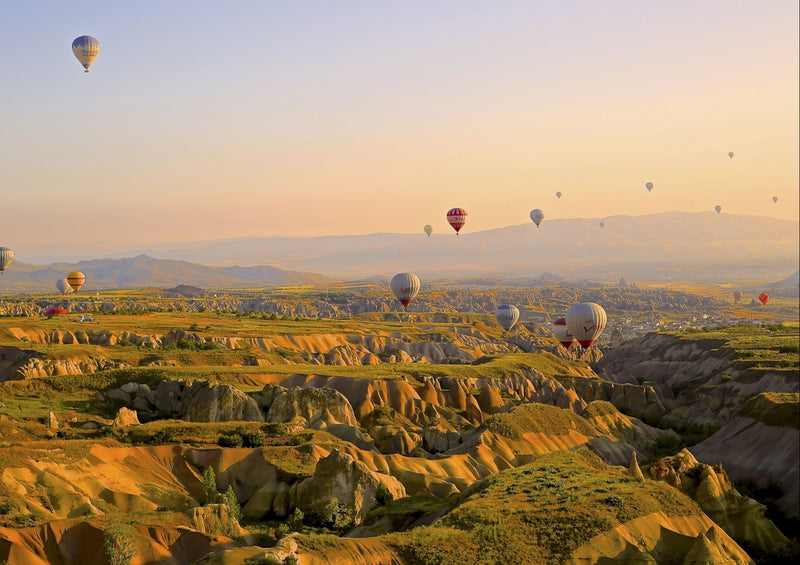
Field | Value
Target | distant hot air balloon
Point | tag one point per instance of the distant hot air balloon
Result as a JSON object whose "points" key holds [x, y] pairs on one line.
{"points": [[405, 287], [775, 199], [86, 48], [561, 331], [763, 298], [6, 258], [63, 286], [507, 315], [54, 311], [718, 208], [649, 186], [737, 296], [602, 224], [457, 218], [537, 216], [586, 321], [558, 195], [730, 154], [76, 279], [428, 229]]}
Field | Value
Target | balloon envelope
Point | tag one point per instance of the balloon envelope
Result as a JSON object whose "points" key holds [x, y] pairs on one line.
{"points": [[457, 217], [63, 286], [586, 321], [6, 258], [737, 296], [718, 208], [775, 199], [76, 279], [730, 154], [428, 229], [54, 311], [405, 287], [649, 186], [562, 334], [558, 195], [86, 48], [507, 315], [537, 216], [602, 224], [763, 298]]}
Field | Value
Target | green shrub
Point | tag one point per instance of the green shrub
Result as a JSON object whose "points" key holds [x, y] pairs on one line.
{"points": [[119, 542], [233, 440]]}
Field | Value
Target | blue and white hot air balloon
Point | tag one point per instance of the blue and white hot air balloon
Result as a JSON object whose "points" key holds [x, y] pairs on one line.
{"points": [[86, 49]]}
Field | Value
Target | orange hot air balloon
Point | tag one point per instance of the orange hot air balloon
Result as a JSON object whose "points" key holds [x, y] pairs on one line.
{"points": [[457, 217], [763, 298], [76, 279]]}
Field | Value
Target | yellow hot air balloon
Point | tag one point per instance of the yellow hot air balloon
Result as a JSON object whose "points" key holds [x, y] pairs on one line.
{"points": [[76, 280], [86, 49]]}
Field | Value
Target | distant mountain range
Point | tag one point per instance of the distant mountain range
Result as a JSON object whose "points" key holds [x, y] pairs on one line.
{"points": [[700, 246]]}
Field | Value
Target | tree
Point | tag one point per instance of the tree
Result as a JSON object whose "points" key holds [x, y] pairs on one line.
{"points": [[119, 542], [209, 485], [234, 511]]}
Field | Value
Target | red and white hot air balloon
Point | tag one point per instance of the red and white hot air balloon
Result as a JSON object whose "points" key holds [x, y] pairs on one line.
{"points": [[457, 217], [586, 321], [405, 287], [561, 332], [763, 298]]}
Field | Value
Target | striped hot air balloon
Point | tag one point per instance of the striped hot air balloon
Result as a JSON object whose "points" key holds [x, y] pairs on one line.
{"points": [[457, 217], [507, 315], [6, 258], [76, 280]]}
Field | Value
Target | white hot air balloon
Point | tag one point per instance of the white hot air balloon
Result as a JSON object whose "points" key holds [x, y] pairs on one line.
{"points": [[63, 286], [507, 315], [586, 321], [649, 186], [718, 208], [428, 229], [537, 216], [561, 332], [86, 49], [405, 287], [6, 258]]}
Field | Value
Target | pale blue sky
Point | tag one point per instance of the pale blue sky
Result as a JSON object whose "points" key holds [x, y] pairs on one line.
{"points": [[204, 120]]}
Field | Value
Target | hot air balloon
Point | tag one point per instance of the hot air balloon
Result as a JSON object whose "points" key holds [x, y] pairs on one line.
{"points": [[6, 258], [561, 331], [537, 216], [54, 311], [558, 195], [63, 286], [507, 315], [428, 229], [586, 321], [775, 199], [75, 279], [730, 154], [602, 224], [718, 208], [457, 218], [405, 287], [737, 296], [763, 298], [86, 48], [649, 186]]}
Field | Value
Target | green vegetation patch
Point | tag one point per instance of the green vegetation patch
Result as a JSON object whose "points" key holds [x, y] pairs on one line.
{"points": [[774, 409], [538, 418], [599, 408]]}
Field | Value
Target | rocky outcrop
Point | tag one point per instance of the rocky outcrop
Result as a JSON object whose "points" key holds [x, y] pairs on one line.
{"points": [[351, 483], [125, 417], [317, 407], [741, 517]]}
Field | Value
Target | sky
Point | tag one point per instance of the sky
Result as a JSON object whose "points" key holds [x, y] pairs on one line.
{"points": [[206, 120]]}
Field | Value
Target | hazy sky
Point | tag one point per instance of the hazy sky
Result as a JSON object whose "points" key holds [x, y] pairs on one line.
{"points": [[209, 119]]}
